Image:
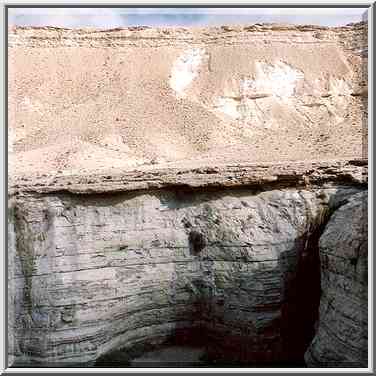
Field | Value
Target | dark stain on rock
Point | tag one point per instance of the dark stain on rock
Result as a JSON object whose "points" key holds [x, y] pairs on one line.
{"points": [[186, 223], [197, 242]]}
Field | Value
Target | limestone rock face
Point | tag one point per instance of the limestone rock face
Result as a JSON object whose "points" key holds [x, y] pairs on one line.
{"points": [[175, 183], [94, 273], [341, 339]]}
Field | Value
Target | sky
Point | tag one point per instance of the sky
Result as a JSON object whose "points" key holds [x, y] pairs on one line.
{"points": [[168, 17]]}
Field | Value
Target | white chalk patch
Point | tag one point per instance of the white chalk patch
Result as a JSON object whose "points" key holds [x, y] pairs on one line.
{"points": [[279, 80], [185, 69], [228, 106], [339, 87]]}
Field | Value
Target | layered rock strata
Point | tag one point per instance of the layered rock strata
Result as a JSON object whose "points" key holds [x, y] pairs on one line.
{"points": [[198, 185], [342, 334], [93, 273]]}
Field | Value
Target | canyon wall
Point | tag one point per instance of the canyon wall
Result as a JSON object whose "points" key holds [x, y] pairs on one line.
{"points": [[342, 334], [92, 273], [198, 185]]}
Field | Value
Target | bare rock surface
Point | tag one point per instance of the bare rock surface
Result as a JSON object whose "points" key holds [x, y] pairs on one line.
{"points": [[94, 273], [177, 183], [296, 173], [172, 356], [341, 340]]}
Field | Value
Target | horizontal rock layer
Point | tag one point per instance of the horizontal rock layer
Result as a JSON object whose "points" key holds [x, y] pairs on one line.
{"points": [[94, 273], [154, 37], [260, 176], [174, 182]]}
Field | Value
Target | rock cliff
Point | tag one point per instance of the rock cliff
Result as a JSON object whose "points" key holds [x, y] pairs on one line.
{"points": [[195, 186], [92, 273], [342, 334]]}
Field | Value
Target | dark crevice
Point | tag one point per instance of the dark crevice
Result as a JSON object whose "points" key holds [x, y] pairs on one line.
{"points": [[197, 242], [300, 311], [300, 307]]}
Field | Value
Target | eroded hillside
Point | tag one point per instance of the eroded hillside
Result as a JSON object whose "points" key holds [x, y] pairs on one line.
{"points": [[192, 186], [87, 100]]}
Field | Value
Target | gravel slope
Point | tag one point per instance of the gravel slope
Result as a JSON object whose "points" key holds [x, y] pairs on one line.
{"points": [[82, 101]]}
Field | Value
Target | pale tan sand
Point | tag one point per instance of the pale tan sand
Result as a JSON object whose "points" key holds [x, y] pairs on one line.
{"points": [[82, 101]]}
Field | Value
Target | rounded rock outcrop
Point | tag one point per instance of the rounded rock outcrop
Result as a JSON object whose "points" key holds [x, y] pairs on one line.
{"points": [[342, 335]]}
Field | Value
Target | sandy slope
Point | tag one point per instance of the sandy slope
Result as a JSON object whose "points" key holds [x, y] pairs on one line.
{"points": [[87, 100]]}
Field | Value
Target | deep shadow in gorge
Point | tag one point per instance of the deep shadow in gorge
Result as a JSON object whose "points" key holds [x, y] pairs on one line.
{"points": [[299, 314], [237, 276], [300, 311]]}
